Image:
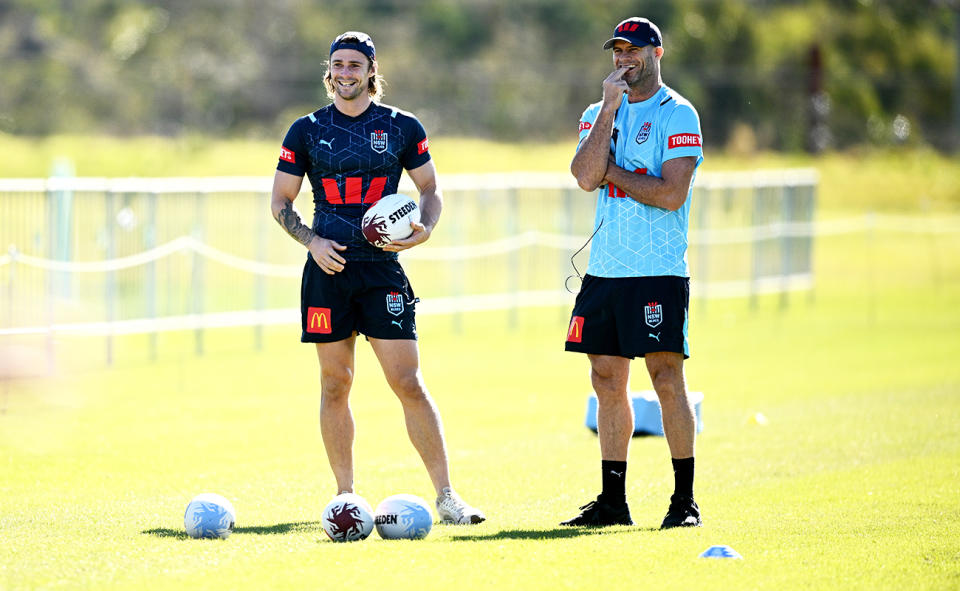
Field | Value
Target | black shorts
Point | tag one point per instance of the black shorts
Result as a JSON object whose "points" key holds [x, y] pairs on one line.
{"points": [[630, 316], [373, 298]]}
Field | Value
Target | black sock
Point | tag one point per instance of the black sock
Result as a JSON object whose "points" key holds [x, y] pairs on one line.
{"points": [[683, 477], [614, 481]]}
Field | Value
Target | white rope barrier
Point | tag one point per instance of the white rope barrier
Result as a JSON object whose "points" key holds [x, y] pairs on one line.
{"points": [[453, 182], [740, 235]]}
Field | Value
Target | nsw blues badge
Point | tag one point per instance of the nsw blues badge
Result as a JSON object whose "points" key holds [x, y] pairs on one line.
{"points": [[644, 132], [378, 141], [395, 303], [653, 314]]}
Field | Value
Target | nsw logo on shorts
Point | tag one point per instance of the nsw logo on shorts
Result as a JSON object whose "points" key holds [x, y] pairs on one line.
{"points": [[653, 314], [394, 303]]}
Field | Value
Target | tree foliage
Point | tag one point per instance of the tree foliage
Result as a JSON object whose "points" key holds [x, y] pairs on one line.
{"points": [[505, 69]]}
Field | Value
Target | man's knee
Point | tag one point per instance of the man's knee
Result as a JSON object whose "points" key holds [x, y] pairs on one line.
{"points": [[408, 386], [609, 377], [335, 382], [667, 379], [666, 387]]}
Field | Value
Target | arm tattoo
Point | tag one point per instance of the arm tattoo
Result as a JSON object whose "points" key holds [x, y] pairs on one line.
{"points": [[289, 219]]}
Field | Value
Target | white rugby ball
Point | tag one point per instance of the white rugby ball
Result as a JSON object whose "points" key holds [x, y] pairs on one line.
{"points": [[209, 515], [347, 518], [403, 517], [389, 219]]}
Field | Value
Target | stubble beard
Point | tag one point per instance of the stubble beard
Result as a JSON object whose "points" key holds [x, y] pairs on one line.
{"points": [[646, 79], [350, 95]]}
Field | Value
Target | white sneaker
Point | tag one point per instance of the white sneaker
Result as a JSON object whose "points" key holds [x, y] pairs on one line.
{"points": [[452, 509]]}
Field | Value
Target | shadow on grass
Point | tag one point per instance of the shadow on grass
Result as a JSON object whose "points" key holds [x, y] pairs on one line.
{"points": [[548, 534], [280, 528]]}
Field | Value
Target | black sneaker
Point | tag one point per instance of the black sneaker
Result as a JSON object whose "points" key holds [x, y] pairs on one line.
{"points": [[683, 512], [600, 514]]}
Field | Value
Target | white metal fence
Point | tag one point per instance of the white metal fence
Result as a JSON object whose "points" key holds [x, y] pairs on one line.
{"points": [[105, 257]]}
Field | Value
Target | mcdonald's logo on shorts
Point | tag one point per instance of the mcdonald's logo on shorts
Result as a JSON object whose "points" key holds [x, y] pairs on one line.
{"points": [[575, 332], [318, 320]]}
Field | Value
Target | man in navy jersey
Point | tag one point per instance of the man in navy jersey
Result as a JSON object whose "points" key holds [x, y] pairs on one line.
{"points": [[639, 149], [354, 151]]}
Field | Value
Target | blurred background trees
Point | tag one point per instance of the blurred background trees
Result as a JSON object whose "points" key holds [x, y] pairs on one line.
{"points": [[764, 74]]}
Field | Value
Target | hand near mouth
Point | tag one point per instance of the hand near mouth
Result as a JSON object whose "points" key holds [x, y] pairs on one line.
{"points": [[614, 86]]}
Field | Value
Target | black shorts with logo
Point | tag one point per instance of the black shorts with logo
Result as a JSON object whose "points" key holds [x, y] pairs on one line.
{"points": [[630, 316], [373, 298]]}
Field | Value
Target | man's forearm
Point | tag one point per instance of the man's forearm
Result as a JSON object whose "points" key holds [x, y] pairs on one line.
{"points": [[668, 192], [431, 204], [290, 221], [590, 163]]}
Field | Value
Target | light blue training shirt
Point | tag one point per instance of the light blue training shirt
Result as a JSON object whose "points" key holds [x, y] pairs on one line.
{"points": [[637, 240]]}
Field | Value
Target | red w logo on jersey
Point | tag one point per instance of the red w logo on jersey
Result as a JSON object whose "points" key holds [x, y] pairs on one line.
{"points": [[423, 146], [584, 125], [353, 192], [287, 155]]}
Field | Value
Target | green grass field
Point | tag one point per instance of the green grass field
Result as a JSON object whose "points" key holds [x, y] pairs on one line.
{"points": [[853, 483]]}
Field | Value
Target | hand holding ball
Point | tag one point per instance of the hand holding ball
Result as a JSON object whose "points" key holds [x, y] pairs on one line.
{"points": [[389, 219]]}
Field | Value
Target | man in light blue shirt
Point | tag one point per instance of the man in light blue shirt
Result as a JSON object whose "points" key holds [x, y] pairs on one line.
{"points": [[639, 149]]}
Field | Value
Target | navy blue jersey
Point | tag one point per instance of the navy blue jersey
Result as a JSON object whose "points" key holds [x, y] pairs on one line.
{"points": [[352, 162]]}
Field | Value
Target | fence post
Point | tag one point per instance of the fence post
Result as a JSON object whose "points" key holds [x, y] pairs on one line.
{"points": [[149, 242], [10, 278], [566, 223], [61, 228], [811, 207], [457, 268], [702, 203], [756, 250], [260, 288], [110, 287], [786, 243], [513, 265], [198, 272]]}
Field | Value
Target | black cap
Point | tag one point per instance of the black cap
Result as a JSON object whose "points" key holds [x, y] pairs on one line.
{"points": [[636, 30], [355, 40]]}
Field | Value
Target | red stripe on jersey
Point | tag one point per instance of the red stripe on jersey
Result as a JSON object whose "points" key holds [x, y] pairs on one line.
{"points": [[353, 191], [375, 190], [287, 155], [682, 140], [332, 192], [423, 146]]}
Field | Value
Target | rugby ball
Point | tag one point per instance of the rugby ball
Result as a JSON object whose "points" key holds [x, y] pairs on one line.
{"points": [[209, 515], [389, 219], [403, 517], [347, 518]]}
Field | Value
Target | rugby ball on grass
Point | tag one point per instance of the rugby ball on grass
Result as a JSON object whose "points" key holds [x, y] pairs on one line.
{"points": [[403, 517], [347, 518], [209, 515], [389, 219]]}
